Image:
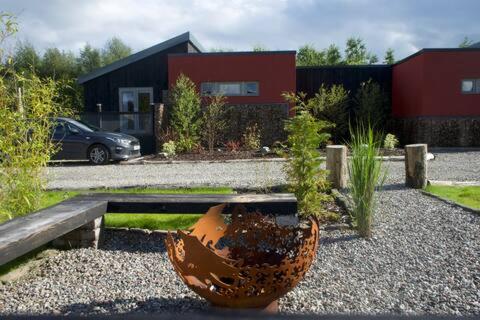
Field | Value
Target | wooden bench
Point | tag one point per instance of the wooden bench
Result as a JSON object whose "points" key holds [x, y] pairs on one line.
{"points": [[77, 222]]}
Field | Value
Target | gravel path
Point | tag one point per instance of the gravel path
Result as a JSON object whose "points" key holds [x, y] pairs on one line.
{"points": [[424, 257], [446, 166]]}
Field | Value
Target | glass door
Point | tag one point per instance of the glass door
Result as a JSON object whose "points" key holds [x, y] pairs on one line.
{"points": [[134, 101]]}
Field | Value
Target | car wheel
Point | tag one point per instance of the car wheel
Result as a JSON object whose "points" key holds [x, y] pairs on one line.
{"points": [[98, 155]]}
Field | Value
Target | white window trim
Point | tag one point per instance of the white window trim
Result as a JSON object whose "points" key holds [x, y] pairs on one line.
{"points": [[124, 118], [243, 88], [136, 91], [476, 86]]}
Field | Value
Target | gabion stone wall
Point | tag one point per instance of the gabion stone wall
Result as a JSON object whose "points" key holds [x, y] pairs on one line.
{"points": [[270, 119], [439, 131]]}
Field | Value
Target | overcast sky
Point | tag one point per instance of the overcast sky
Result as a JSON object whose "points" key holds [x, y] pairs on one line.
{"points": [[404, 25]]}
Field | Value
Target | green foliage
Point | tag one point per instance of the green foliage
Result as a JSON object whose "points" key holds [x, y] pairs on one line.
{"points": [[259, 48], [390, 141], [59, 65], [389, 56], [251, 137], [306, 178], [356, 53], [169, 148], [331, 105], [8, 27], [333, 55], [309, 56], [25, 144], [466, 42], [214, 120], [90, 59], [26, 58], [115, 49], [366, 176], [185, 118], [372, 105]]}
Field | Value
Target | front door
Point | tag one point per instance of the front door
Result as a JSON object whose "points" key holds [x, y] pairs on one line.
{"points": [[132, 102]]}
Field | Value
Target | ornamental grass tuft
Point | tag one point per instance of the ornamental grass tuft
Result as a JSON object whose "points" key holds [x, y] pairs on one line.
{"points": [[366, 176]]}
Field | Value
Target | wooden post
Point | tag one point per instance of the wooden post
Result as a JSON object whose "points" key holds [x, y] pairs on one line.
{"points": [[416, 166], [158, 115], [337, 166]]}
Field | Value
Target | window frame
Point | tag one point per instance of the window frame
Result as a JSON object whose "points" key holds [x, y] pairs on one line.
{"points": [[475, 87], [215, 85]]}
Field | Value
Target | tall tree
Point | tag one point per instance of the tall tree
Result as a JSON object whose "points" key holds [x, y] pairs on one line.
{"points": [[466, 42], [89, 59], [356, 52], [309, 56], [333, 55], [26, 57], [59, 64], [389, 56], [115, 49]]}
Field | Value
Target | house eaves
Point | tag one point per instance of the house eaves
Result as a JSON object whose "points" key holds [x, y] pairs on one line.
{"points": [[185, 37]]}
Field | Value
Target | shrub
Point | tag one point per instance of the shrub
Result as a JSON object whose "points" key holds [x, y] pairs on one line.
{"points": [[169, 148], [251, 137], [331, 104], [365, 177], [306, 178], [214, 121], [233, 146], [390, 141], [25, 143], [185, 117], [371, 105]]}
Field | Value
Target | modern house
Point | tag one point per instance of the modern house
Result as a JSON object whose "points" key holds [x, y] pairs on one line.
{"points": [[433, 89]]}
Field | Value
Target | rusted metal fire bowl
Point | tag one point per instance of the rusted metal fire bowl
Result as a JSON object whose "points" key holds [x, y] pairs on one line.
{"points": [[247, 263]]}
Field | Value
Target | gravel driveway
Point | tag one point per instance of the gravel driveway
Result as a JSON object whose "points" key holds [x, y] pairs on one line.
{"points": [[424, 257], [446, 166]]}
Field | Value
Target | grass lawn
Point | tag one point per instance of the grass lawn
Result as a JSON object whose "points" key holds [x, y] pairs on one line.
{"points": [[144, 221], [468, 196]]}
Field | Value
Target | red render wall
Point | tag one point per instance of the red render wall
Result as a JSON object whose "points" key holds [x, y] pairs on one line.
{"points": [[407, 86], [275, 72], [444, 72]]}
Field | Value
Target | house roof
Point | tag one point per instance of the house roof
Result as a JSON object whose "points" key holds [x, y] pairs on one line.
{"points": [[475, 45], [471, 48], [184, 37]]}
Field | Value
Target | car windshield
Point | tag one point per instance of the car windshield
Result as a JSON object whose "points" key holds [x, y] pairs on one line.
{"points": [[85, 126]]}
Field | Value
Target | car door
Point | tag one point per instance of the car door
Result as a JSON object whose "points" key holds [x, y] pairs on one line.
{"points": [[76, 142], [58, 136]]}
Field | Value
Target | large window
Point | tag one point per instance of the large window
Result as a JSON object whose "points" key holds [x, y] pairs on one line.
{"points": [[471, 86], [230, 88]]}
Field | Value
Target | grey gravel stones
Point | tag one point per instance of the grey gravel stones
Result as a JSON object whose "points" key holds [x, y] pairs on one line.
{"points": [[423, 258]]}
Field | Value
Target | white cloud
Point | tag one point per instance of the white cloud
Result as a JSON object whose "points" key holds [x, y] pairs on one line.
{"points": [[405, 26]]}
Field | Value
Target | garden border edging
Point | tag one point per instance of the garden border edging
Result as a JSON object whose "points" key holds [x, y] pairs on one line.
{"points": [[450, 202]]}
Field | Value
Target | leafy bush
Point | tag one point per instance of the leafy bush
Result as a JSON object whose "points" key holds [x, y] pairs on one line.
{"points": [[214, 120], [372, 105], [169, 148], [251, 137], [307, 179], [25, 143], [331, 104], [27, 105], [390, 141], [185, 117], [365, 176], [233, 146]]}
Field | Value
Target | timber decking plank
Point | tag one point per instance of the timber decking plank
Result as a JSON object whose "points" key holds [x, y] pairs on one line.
{"points": [[276, 204], [24, 234]]}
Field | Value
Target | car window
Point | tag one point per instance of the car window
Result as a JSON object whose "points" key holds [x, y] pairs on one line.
{"points": [[72, 128], [59, 129]]}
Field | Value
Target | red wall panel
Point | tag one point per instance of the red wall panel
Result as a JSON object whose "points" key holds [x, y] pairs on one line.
{"points": [[429, 84], [275, 72]]}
